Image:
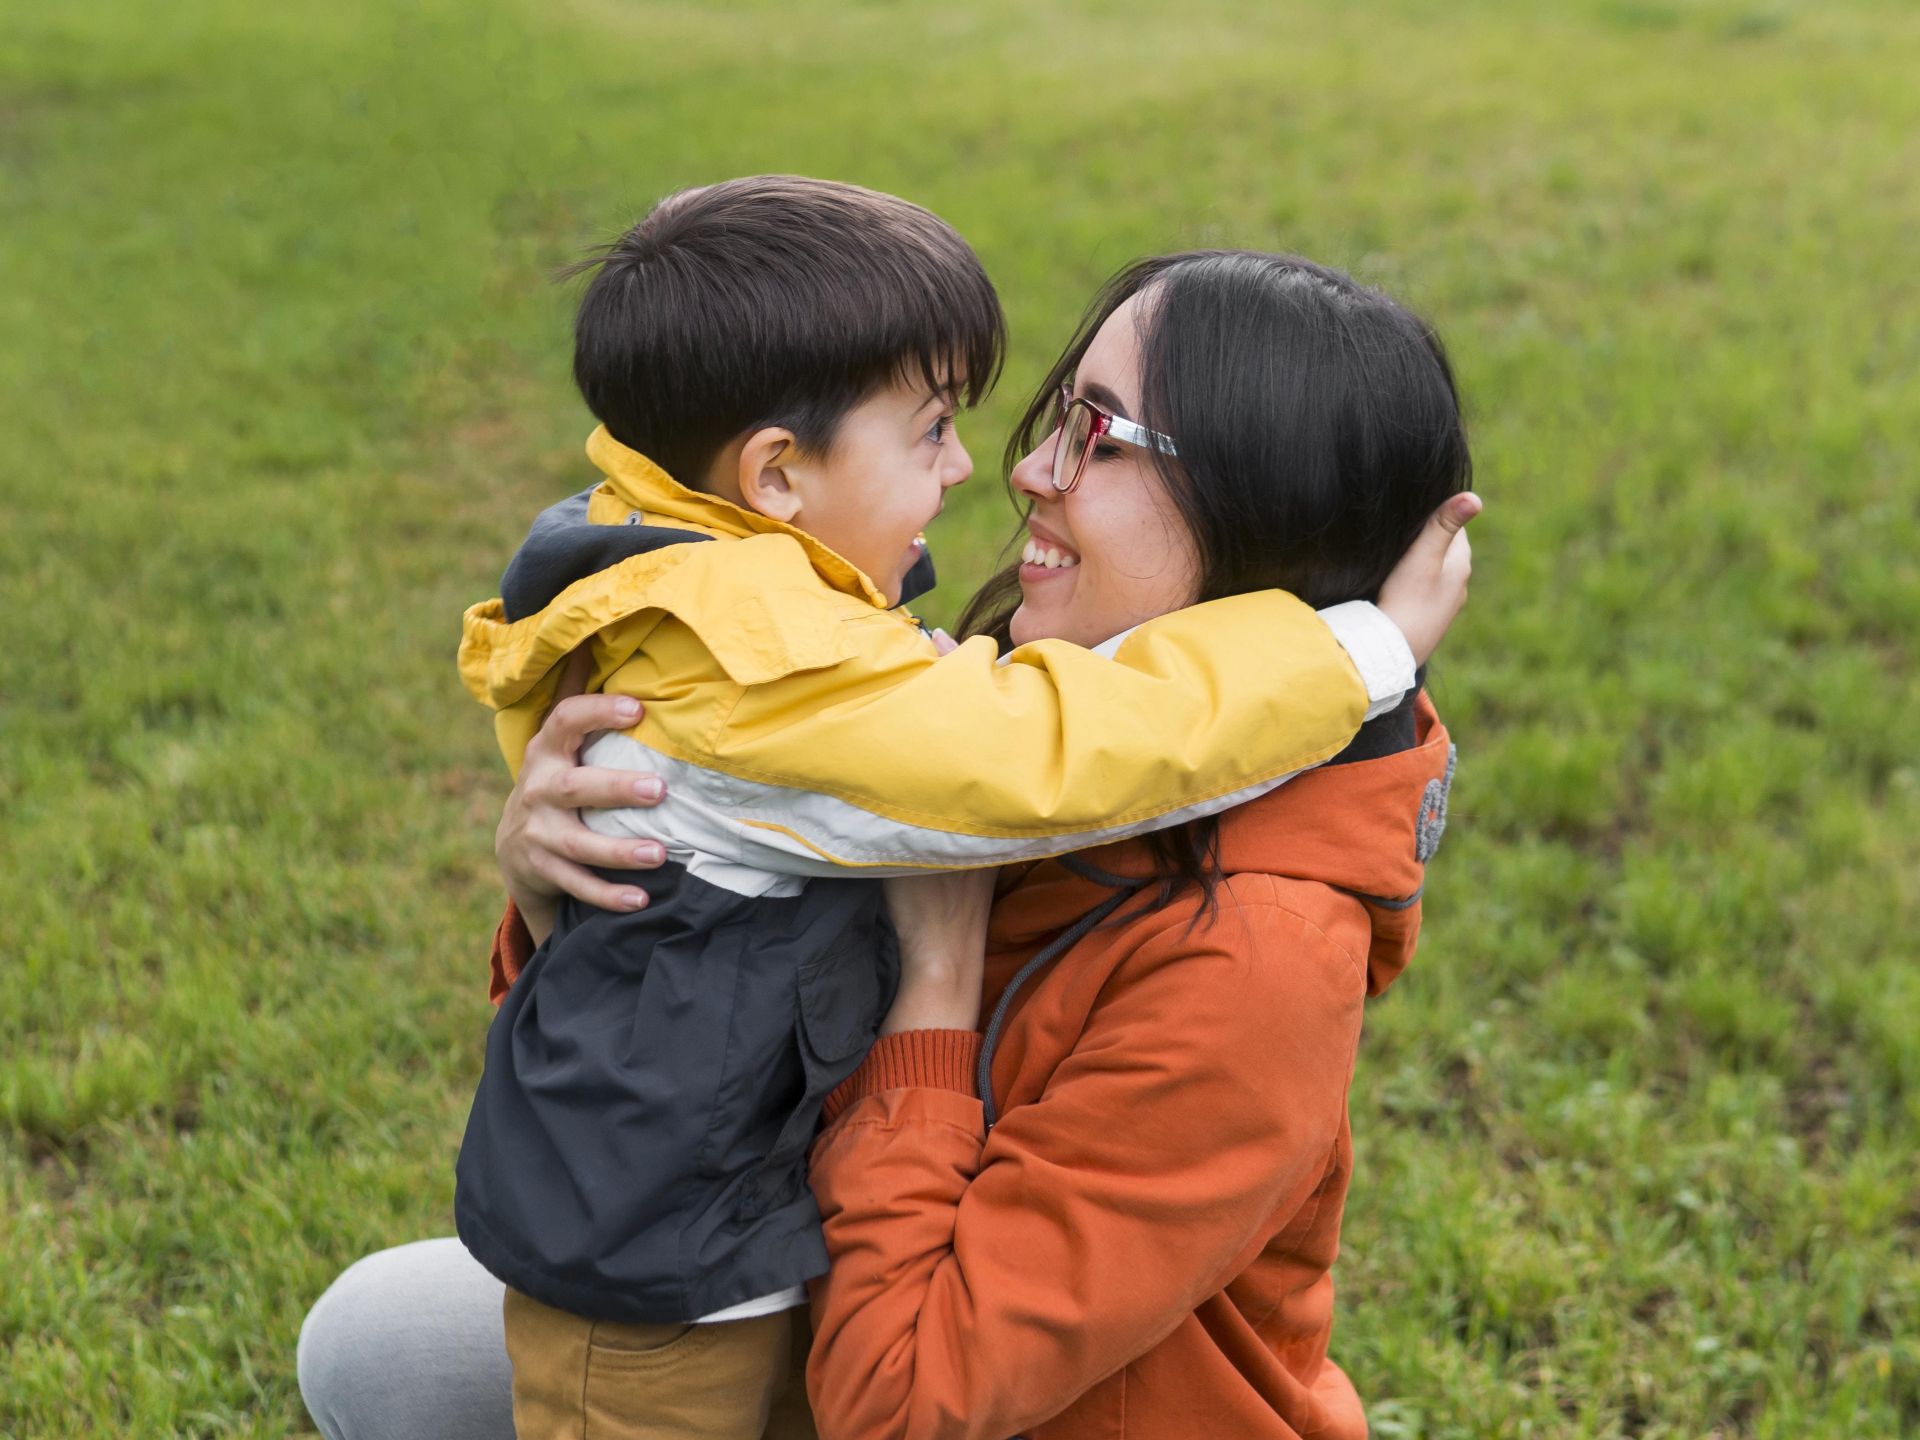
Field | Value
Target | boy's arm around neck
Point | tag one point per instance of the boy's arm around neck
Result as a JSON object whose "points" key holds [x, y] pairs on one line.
{"points": [[894, 759]]}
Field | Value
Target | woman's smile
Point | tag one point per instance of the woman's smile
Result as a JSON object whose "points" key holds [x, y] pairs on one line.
{"points": [[1045, 555]]}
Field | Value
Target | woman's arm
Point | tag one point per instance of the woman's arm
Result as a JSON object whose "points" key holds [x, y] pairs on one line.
{"points": [[980, 1285]]}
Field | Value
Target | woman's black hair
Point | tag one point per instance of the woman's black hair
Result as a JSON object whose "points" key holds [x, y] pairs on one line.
{"points": [[1317, 424]]}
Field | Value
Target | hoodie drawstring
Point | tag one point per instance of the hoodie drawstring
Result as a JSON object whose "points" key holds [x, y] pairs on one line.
{"points": [[1125, 889]]}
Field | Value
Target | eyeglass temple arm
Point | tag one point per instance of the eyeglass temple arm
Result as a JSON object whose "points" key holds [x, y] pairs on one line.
{"points": [[1128, 433]]}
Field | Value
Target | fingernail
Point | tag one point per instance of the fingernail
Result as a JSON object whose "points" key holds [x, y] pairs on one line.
{"points": [[648, 854], [626, 707], [649, 788], [634, 899]]}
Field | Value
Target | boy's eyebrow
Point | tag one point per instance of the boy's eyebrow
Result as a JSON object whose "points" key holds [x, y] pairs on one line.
{"points": [[1104, 398]]}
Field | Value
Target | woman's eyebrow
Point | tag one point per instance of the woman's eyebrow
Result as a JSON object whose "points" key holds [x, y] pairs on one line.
{"points": [[1103, 397]]}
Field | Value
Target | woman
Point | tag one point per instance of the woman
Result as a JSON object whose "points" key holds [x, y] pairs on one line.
{"points": [[1114, 1212]]}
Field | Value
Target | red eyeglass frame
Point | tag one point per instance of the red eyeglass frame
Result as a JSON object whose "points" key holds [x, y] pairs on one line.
{"points": [[1104, 424]]}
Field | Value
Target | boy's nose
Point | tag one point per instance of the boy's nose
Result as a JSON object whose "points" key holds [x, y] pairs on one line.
{"points": [[959, 464]]}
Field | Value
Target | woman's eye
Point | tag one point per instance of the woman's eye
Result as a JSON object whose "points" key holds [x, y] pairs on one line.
{"points": [[1104, 451], [939, 430]]}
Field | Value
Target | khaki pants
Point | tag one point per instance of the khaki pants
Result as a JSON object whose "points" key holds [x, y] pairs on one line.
{"points": [[576, 1379]]}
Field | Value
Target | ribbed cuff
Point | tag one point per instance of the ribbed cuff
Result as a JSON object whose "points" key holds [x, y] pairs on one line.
{"points": [[911, 1060], [1378, 651]]}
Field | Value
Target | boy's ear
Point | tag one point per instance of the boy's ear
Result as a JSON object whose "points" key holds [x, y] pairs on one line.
{"points": [[765, 486]]}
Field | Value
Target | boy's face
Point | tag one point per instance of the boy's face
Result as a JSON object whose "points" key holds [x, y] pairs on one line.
{"points": [[885, 476]]}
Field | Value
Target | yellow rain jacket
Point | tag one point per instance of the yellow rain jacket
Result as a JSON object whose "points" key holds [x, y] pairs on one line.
{"points": [[803, 727]]}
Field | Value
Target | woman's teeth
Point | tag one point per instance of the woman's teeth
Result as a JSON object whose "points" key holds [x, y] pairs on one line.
{"points": [[1038, 554]]}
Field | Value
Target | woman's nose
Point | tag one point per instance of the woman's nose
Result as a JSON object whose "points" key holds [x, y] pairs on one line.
{"points": [[1033, 476]]}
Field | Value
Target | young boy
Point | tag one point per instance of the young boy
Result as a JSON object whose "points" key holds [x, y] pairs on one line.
{"points": [[792, 351]]}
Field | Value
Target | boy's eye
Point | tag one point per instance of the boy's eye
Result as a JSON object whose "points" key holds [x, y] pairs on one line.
{"points": [[938, 431]]}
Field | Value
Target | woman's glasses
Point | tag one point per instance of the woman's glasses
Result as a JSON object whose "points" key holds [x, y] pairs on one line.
{"points": [[1082, 425]]}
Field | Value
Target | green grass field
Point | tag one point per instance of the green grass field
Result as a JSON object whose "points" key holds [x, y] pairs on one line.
{"points": [[284, 377]]}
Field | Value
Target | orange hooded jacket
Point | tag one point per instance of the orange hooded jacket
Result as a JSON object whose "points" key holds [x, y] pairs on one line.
{"points": [[1140, 1248]]}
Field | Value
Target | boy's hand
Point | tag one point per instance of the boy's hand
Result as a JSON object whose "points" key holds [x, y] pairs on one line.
{"points": [[1429, 585]]}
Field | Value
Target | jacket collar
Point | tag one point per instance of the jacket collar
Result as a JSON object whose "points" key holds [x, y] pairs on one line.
{"points": [[635, 483]]}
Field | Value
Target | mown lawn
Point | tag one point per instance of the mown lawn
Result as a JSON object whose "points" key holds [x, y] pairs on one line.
{"points": [[283, 377]]}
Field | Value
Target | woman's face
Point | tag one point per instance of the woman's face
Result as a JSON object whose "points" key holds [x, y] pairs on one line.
{"points": [[1123, 553]]}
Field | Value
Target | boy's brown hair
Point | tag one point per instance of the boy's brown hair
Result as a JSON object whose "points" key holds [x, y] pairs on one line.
{"points": [[776, 300]]}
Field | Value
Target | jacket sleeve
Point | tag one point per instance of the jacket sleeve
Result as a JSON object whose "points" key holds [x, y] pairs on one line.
{"points": [[978, 1287], [896, 760]]}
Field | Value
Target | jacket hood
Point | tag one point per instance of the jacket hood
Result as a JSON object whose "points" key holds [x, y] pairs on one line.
{"points": [[1365, 828], [603, 559], [565, 545]]}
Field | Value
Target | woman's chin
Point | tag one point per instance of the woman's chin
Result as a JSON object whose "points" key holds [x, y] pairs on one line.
{"points": [[1023, 628], [1043, 621]]}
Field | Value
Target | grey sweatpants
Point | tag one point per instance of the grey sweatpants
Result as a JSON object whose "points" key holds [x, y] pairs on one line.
{"points": [[408, 1345]]}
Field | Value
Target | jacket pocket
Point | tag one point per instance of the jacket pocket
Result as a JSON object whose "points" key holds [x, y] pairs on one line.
{"points": [[643, 1347], [843, 990]]}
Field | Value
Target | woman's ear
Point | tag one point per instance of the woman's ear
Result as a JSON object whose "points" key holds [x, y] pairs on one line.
{"points": [[765, 486]]}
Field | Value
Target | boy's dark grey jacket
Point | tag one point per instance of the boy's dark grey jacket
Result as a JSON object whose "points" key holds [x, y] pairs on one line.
{"points": [[637, 1145]]}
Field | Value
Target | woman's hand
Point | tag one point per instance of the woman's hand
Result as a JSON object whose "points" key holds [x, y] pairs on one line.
{"points": [[543, 846], [942, 923], [1429, 585]]}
